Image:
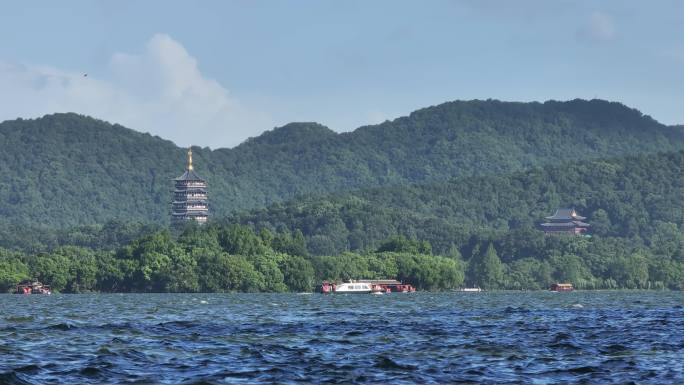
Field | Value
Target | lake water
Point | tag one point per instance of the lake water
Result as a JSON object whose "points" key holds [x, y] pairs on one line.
{"points": [[536, 337]]}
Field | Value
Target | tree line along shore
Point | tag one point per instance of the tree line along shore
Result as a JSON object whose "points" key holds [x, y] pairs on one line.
{"points": [[235, 258]]}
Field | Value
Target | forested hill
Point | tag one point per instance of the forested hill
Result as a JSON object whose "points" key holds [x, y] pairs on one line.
{"points": [[67, 169], [640, 199]]}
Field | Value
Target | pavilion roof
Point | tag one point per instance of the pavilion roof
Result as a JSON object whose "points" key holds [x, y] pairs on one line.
{"points": [[566, 214], [190, 175], [566, 224]]}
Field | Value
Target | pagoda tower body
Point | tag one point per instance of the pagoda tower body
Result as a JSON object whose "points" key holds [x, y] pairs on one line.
{"points": [[565, 221], [189, 197]]}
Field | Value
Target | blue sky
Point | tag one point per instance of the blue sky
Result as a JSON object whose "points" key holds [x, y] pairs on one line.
{"points": [[213, 73]]}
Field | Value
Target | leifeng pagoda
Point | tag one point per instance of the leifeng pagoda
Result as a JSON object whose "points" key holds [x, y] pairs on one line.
{"points": [[565, 221], [189, 197]]}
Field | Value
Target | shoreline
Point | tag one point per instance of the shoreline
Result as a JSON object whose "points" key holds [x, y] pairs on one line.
{"points": [[421, 292]]}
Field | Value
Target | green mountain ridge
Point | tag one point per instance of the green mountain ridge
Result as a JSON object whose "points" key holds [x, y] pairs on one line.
{"points": [[66, 169]]}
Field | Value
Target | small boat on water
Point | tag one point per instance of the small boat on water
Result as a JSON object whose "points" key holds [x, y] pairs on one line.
{"points": [[470, 289], [370, 286], [32, 287], [353, 288], [561, 287]]}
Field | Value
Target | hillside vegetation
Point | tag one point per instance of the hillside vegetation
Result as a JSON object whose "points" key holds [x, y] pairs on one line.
{"points": [[634, 197], [470, 231], [65, 169]]}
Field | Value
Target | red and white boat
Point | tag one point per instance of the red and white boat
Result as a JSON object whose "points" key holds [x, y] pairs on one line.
{"points": [[366, 286]]}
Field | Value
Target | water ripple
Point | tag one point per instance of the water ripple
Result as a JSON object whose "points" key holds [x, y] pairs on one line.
{"points": [[519, 338]]}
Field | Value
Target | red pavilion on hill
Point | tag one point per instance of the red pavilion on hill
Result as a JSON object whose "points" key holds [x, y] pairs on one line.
{"points": [[565, 221]]}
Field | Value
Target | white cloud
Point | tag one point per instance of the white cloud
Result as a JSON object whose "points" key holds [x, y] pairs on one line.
{"points": [[161, 91], [598, 27]]}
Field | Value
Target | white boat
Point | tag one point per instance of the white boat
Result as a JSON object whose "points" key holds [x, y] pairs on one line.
{"points": [[470, 289], [353, 288], [364, 287]]}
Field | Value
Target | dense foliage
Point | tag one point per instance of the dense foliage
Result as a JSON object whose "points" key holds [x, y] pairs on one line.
{"points": [[218, 259], [65, 169], [635, 206], [483, 228], [36, 239], [640, 198], [235, 258]]}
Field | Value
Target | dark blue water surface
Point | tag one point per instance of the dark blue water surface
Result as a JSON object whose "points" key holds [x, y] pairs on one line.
{"points": [[537, 338]]}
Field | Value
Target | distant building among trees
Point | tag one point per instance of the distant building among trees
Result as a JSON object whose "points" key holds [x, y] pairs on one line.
{"points": [[565, 221], [189, 197]]}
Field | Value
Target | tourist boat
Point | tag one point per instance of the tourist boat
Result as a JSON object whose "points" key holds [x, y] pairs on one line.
{"points": [[354, 288], [32, 287], [350, 287], [370, 286], [561, 287]]}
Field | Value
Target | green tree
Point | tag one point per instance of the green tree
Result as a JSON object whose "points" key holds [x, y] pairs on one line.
{"points": [[486, 270], [179, 275], [52, 269], [267, 265], [631, 271], [298, 273], [600, 222], [401, 244], [12, 270], [570, 268], [240, 240]]}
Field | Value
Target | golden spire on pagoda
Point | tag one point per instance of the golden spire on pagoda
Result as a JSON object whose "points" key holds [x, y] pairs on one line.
{"points": [[189, 159]]}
